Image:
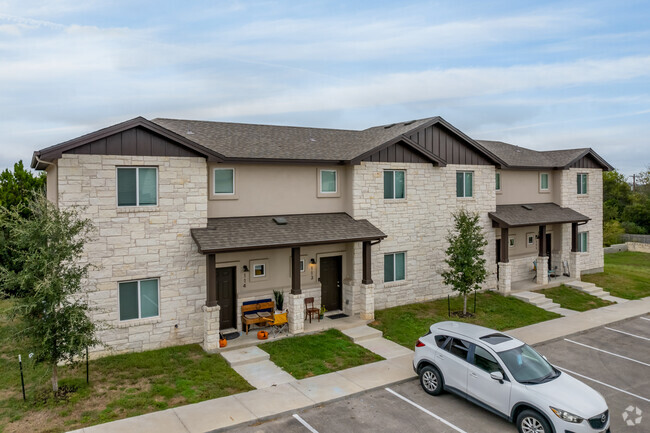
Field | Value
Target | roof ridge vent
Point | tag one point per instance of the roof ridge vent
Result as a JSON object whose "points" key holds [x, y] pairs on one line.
{"points": [[527, 207], [389, 126], [281, 221], [409, 122]]}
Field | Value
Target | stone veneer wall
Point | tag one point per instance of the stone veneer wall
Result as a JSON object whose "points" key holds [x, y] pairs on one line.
{"points": [[418, 225], [591, 205], [142, 242]]}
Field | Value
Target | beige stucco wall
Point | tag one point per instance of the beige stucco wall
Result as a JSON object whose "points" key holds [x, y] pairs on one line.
{"points": [[418, 225], [273, 189], [52, 183], [522, 186], [142, 242]]}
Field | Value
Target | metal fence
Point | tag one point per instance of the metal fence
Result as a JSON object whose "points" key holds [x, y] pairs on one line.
{"points": [[644, 239]]}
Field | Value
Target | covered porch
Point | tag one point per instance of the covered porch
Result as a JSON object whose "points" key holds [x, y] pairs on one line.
{"points": [[537, 245], [303, 256]]}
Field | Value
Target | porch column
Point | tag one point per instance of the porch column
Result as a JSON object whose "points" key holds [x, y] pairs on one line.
{"points": [[505, 277], [211, 281], [574, 258], [574, 237], [211, 328], [504, 245], [542, 259], [367, 264], [296, 299], [367, 289], [542, 241]]}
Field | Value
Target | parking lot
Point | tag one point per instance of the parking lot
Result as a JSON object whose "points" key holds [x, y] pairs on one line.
{"points": [[614, 360]]}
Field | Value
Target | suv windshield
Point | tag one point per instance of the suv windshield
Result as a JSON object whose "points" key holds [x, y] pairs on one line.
{"points": [[528, 366]]}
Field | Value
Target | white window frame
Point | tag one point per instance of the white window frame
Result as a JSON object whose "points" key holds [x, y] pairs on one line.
{"points": [[137, 187], [393, 197], [119, 313], [530, 239], [302, 265], [511, 241], [320, 181], [214, 179], [263, 265], [464, 184], [586, 237], [497, 185], [548, 182], [394, 280], [579, 190]]}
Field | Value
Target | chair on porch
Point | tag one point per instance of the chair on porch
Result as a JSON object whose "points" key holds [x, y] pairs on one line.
{"points": [[311, 310], [280, 324]]}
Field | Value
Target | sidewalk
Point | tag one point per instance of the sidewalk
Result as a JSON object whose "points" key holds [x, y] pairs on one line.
{"points": [[293, 395]]}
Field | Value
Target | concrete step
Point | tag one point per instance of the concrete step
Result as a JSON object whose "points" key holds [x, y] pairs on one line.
{"points": [[614, 299], [247, 355], [263, 374], [530, 297], [582, 285], [362, 333], [563, 311]]}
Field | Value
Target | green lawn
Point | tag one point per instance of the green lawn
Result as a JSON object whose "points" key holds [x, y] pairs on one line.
{"points": [[627, 275], [407, 323], [321, 353], [120, 386], [573, 299]]}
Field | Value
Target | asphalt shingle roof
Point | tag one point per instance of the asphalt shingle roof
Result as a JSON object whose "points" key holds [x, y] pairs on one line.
{"points": [[516, 156], [259, 232], [516, 215]]}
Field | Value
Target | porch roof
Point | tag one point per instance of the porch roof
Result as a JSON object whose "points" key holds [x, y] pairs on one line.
{"points": [[535, 214], [262, 232]]}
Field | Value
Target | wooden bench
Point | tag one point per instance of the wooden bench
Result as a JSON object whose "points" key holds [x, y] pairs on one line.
{"points": [[261, 312]]}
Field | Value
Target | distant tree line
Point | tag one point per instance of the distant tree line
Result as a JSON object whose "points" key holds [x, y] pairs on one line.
{"points": [[626, 205]]}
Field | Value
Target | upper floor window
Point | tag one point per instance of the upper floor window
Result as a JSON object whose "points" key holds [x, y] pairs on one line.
{"points": [[224, 181], [582, 241], [137, 186], [394, 267], [543, 181], [394, 184], [138, 299], [328, 181], [464, 183], [582, 183], [497, 181]]}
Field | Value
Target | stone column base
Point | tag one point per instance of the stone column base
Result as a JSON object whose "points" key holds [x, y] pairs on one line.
{"points": [[367, 293], [210, 328], [505, 277], [296, 316], [574, 267], [348, 297], [542, 270]]}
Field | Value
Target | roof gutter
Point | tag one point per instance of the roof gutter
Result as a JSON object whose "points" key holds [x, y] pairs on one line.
{"points": [[39, 161]]}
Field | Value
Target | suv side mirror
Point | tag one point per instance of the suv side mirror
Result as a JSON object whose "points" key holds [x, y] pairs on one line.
{"points": [[545, 358], [497, 375]]}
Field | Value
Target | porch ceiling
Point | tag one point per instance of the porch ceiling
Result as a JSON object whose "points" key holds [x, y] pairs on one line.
{"points": [[261, 232], [536, 214]]}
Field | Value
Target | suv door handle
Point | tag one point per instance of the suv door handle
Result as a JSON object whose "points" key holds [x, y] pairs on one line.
{"points": [[473, 375], [440, 356]]}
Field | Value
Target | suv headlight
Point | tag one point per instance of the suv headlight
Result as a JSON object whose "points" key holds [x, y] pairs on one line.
{"points": [[567, 416]]}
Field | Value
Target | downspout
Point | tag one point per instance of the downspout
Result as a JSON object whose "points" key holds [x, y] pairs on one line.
{"points": [[40, 161]]}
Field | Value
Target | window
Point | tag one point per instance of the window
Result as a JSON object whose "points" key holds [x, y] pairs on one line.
{"points": [[485, 361], [582, 241], [511, 241], [137, 186], [440, 340], [259, 270], [530, 239], [582, 183], [138, 299], [543, 181], [224, 181], [394, 267], [497, 181], [302, 265], [458, 347], [464, 183], [394, 184], [328, 181]]}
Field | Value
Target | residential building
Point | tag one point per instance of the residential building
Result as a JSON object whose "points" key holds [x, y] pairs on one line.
{"points": [[197, 218]]}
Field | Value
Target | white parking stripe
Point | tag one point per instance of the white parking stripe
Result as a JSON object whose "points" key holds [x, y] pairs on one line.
{"points": [[609, 353], [442, 420], [303, 422], [644, 318], [627, 333], [603, 383]]}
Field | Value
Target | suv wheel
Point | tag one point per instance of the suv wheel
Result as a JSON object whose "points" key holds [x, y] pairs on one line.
{"points": [[430, 380], [530, 421]]}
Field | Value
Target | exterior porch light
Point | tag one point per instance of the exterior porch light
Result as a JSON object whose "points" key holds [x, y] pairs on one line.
{"points": [[245, 268], [312, 262]]}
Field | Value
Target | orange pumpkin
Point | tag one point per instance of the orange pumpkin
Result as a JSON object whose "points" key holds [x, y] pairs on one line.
{"points": [[262, 335], [223, 342]]}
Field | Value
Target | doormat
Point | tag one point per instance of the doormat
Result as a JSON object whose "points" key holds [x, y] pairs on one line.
{"points": [[337, 316], [231, 335]]}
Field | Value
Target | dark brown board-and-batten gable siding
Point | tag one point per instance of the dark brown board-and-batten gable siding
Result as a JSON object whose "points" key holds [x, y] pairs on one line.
{"points": [[135, 141], [396, 153], [447, 147], [586, 161]]}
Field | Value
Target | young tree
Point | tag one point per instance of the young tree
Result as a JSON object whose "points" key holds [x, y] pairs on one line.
{"points": [[52, 307], [465, 255]]}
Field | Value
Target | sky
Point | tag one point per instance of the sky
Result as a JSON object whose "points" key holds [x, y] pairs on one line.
{"points": [[544, 75]]}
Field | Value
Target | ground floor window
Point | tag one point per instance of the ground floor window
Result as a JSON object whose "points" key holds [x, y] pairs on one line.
{"points": [[582, 241], [394, 267], [138, 299]]}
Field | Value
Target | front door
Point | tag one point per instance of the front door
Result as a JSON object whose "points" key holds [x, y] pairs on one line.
{"points": [[498, 256], [331, 274], [226, 297], [548, 249]]}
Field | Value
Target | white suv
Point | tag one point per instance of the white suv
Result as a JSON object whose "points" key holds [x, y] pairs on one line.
{"points": [[508, 378]]}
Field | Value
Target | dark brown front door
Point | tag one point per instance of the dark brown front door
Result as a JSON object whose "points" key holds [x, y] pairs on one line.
{"points": [[548, 249], [498, 256], [226, 297], [331, 282]]}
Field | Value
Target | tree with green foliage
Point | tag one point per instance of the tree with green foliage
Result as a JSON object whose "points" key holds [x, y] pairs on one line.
{"points": [[465, 255], [52, 305], [16, 189], [617, 194]]}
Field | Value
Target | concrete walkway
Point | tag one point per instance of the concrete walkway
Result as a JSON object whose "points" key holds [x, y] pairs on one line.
{"points": [[257, 405]]}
